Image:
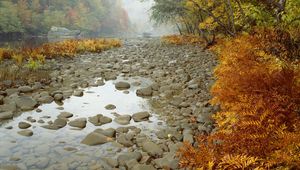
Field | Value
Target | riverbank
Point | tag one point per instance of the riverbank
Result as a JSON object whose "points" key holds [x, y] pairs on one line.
{"points": [[178, 95]]}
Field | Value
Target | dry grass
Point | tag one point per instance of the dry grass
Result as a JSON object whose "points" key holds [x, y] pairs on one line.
{"points": [[67, 48], [22, 76]]}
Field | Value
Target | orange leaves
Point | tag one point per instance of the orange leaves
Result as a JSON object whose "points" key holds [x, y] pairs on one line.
{"points": [[258, 88], [67, 48], [181, 40]]}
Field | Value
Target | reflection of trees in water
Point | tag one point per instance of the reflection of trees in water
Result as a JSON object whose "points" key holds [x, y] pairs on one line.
{"points": [[27, 42]]}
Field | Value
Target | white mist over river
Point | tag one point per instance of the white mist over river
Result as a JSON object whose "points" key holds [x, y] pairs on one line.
{"points": [[140, 17]]}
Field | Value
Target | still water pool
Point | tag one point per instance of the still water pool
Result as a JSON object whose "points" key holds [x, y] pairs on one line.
{"points": [[62, 149]]}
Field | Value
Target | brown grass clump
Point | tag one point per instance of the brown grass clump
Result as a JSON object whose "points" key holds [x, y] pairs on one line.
{"points": [[18, 75]]}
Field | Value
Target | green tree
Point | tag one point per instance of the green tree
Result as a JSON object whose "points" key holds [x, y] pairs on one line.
{"points": [[9, 20]]}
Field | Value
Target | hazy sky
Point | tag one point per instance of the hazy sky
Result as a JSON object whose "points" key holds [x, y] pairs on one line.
{"points": [[139, 13]]}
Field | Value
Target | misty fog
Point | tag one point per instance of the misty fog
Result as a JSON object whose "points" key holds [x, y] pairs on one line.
{"points": [[139, 15]]}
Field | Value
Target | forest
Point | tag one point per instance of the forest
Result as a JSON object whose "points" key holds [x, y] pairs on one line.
{"points": [[36, 17]]}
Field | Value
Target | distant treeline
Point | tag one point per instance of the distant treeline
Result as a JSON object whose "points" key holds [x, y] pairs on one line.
{"points": [[36, 17]]}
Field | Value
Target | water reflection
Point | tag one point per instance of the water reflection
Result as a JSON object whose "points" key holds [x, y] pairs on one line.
{"points": [[48, 147], [28, 42]]}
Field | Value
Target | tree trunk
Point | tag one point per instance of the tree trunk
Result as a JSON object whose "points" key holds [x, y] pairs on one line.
{"points": [[178, 28]]}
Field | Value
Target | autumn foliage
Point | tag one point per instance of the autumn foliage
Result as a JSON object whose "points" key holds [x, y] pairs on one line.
{"points": [[182, 39], [258, 89], [67, 48]]}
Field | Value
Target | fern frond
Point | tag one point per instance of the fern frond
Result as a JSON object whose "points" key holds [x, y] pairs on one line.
{"points": [[251, 123], [238, 162]]}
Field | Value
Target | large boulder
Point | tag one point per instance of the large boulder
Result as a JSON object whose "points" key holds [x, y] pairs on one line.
{"points": [[61, 32], [6, 115], [26, 103]]}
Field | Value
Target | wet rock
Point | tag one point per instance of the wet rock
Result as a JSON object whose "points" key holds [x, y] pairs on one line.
{"points": [[122, 85], [41, 121], [37, 85], [25, 89], [9, 127], [26, 103], [57, 124], [193, 86], [188, 136], [124, 140], [58, 97], [110, 107], [123, 119], [1, 99], [30, 119], [67, 93], [123, 158], [110, 76], [42, 162], [10, 107], [60, 122], [70, 149], [144, 92], [15, 159], [100, 83], [122, 130], [169, 161], [39, 110], [110, 132], [141, 116], [65, 115], [152, 149], [96, 166], [131, 163], [111, 162], [26, 133], [143, 167], [79, 123], [136, 83], [45, 99], [6, 115], [11, 91], [205, 118], [95, 139], [78, 93], [9, 167], [99, 120], [169, 133], [24, 125]]}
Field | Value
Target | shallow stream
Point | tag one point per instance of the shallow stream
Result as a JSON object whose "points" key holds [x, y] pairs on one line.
{"points": [[49, 147]]}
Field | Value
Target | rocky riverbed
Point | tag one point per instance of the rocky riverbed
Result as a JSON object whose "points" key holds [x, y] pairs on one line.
{"points": [[126, 108]]}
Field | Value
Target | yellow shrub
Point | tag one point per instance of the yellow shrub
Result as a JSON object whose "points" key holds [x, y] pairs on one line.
{"points": [[18, 58], [182, 39]]}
